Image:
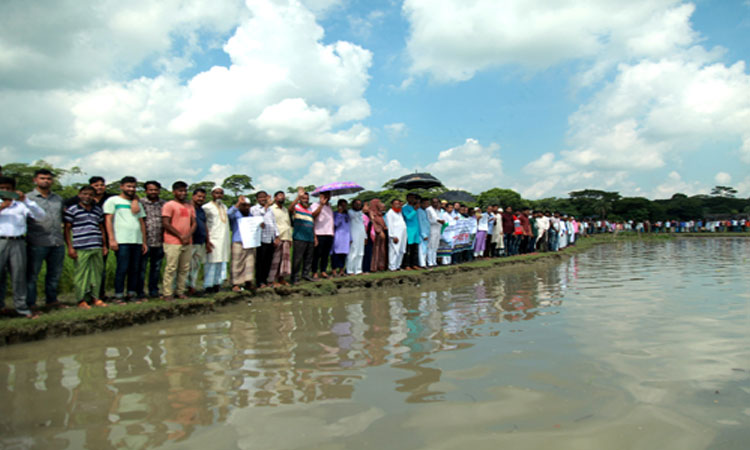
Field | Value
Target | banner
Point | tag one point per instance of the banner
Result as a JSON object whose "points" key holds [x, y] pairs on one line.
{"points": [[457, 237], [249, 228]]}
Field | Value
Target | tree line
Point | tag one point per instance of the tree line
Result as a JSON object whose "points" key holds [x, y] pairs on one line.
{"points": [[587, 203]]}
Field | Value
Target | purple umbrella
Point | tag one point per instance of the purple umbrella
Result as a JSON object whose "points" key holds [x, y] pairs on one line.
{"points": [[339, 188]]}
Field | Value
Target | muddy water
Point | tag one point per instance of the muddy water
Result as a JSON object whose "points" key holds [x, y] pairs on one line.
{"points": [[629, 345]]}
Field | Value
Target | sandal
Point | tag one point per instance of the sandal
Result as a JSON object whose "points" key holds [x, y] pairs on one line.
{"points": [[83, 305], [100, 303]]}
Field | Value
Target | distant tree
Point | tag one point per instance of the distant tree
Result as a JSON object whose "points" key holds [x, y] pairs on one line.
{"points": [[293, 190], [553, 204], [389, 184], [724, 191], [205, 185], [385, 196], [237, 183], [635, 208], [501, 197], [24, 174], [593, 202]]}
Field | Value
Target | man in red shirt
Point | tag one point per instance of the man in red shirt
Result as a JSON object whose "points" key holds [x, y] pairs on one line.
{"points": [[178, 220]]}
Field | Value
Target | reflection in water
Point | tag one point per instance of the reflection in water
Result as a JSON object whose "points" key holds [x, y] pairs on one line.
{"points": [[162, 383]]}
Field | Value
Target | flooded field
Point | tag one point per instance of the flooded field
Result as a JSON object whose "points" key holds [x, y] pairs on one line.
{"points": [[629, 345]]}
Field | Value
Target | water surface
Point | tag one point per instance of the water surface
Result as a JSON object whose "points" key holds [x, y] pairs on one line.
{"points": [[629, 345]]}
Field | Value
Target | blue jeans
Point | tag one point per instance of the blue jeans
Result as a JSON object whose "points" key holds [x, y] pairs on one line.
{"points": [[128, 265], [54, 257], [553, 240], [155, 256]]}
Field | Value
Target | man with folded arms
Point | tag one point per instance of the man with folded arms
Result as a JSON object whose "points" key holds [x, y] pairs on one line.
{"points": [[13, 216], [281, 265], [84, 236], [178, 220], [152, 206], [126, 230]]}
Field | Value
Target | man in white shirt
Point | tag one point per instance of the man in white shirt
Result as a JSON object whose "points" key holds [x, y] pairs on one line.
{"points": [[394, 220], [436, 224], [13, 216]]}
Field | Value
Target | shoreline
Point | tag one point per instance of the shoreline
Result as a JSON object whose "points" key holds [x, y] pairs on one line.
{"points": [[76, 322]]}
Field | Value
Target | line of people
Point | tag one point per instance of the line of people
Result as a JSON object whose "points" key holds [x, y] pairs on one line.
{"points": [[299, 240]]}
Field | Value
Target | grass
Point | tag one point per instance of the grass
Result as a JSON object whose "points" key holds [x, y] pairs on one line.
{"points": [[74, 321]]}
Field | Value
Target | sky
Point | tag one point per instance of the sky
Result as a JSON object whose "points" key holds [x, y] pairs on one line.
{"points": [[645, 97]]}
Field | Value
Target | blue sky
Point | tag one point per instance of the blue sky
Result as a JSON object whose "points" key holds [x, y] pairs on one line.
{"points": [[646, 98]]}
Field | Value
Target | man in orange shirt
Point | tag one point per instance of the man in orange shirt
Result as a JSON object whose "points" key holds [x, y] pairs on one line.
{"points": [[178, 220]]}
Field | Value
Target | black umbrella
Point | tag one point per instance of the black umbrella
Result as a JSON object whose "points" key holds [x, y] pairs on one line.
{"points": [[457, 196], [417, 181]]}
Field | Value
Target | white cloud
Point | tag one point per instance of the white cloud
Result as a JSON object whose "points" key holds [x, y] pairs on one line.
{"points": [[285, 87], [64, 43], [675, 184], [654, 113], [143, 163], [453, 39], [470, 166], [350, 165], [396, 130], [723, 178]]}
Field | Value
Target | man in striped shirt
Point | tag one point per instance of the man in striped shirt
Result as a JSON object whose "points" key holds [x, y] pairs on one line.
{"points": [[303, 235], [84, 236]]}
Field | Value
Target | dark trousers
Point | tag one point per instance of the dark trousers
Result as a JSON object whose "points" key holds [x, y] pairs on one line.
{"points": [[321, 252], [523, 245], [411, 258], [302, 256], [338, 260], [13, 262], [508, 244], [128, 266], [263, 260], [154, 256], [36, 255], [367, 260]]}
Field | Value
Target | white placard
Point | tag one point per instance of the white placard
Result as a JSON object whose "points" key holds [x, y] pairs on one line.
{"points": [[249, 228]]}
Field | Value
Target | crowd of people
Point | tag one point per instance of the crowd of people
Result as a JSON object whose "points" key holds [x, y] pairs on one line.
{"points": [[160, 246]]}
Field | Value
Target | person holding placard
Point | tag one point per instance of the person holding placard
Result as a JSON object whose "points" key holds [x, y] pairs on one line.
{"points": [[243, 259]]}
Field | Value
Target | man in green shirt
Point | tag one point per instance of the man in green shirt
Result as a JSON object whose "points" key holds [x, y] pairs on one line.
{"points": [[127, 238]]}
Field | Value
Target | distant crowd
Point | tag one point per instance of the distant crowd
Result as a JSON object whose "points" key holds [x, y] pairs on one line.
{"points": [[161, 246]]}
